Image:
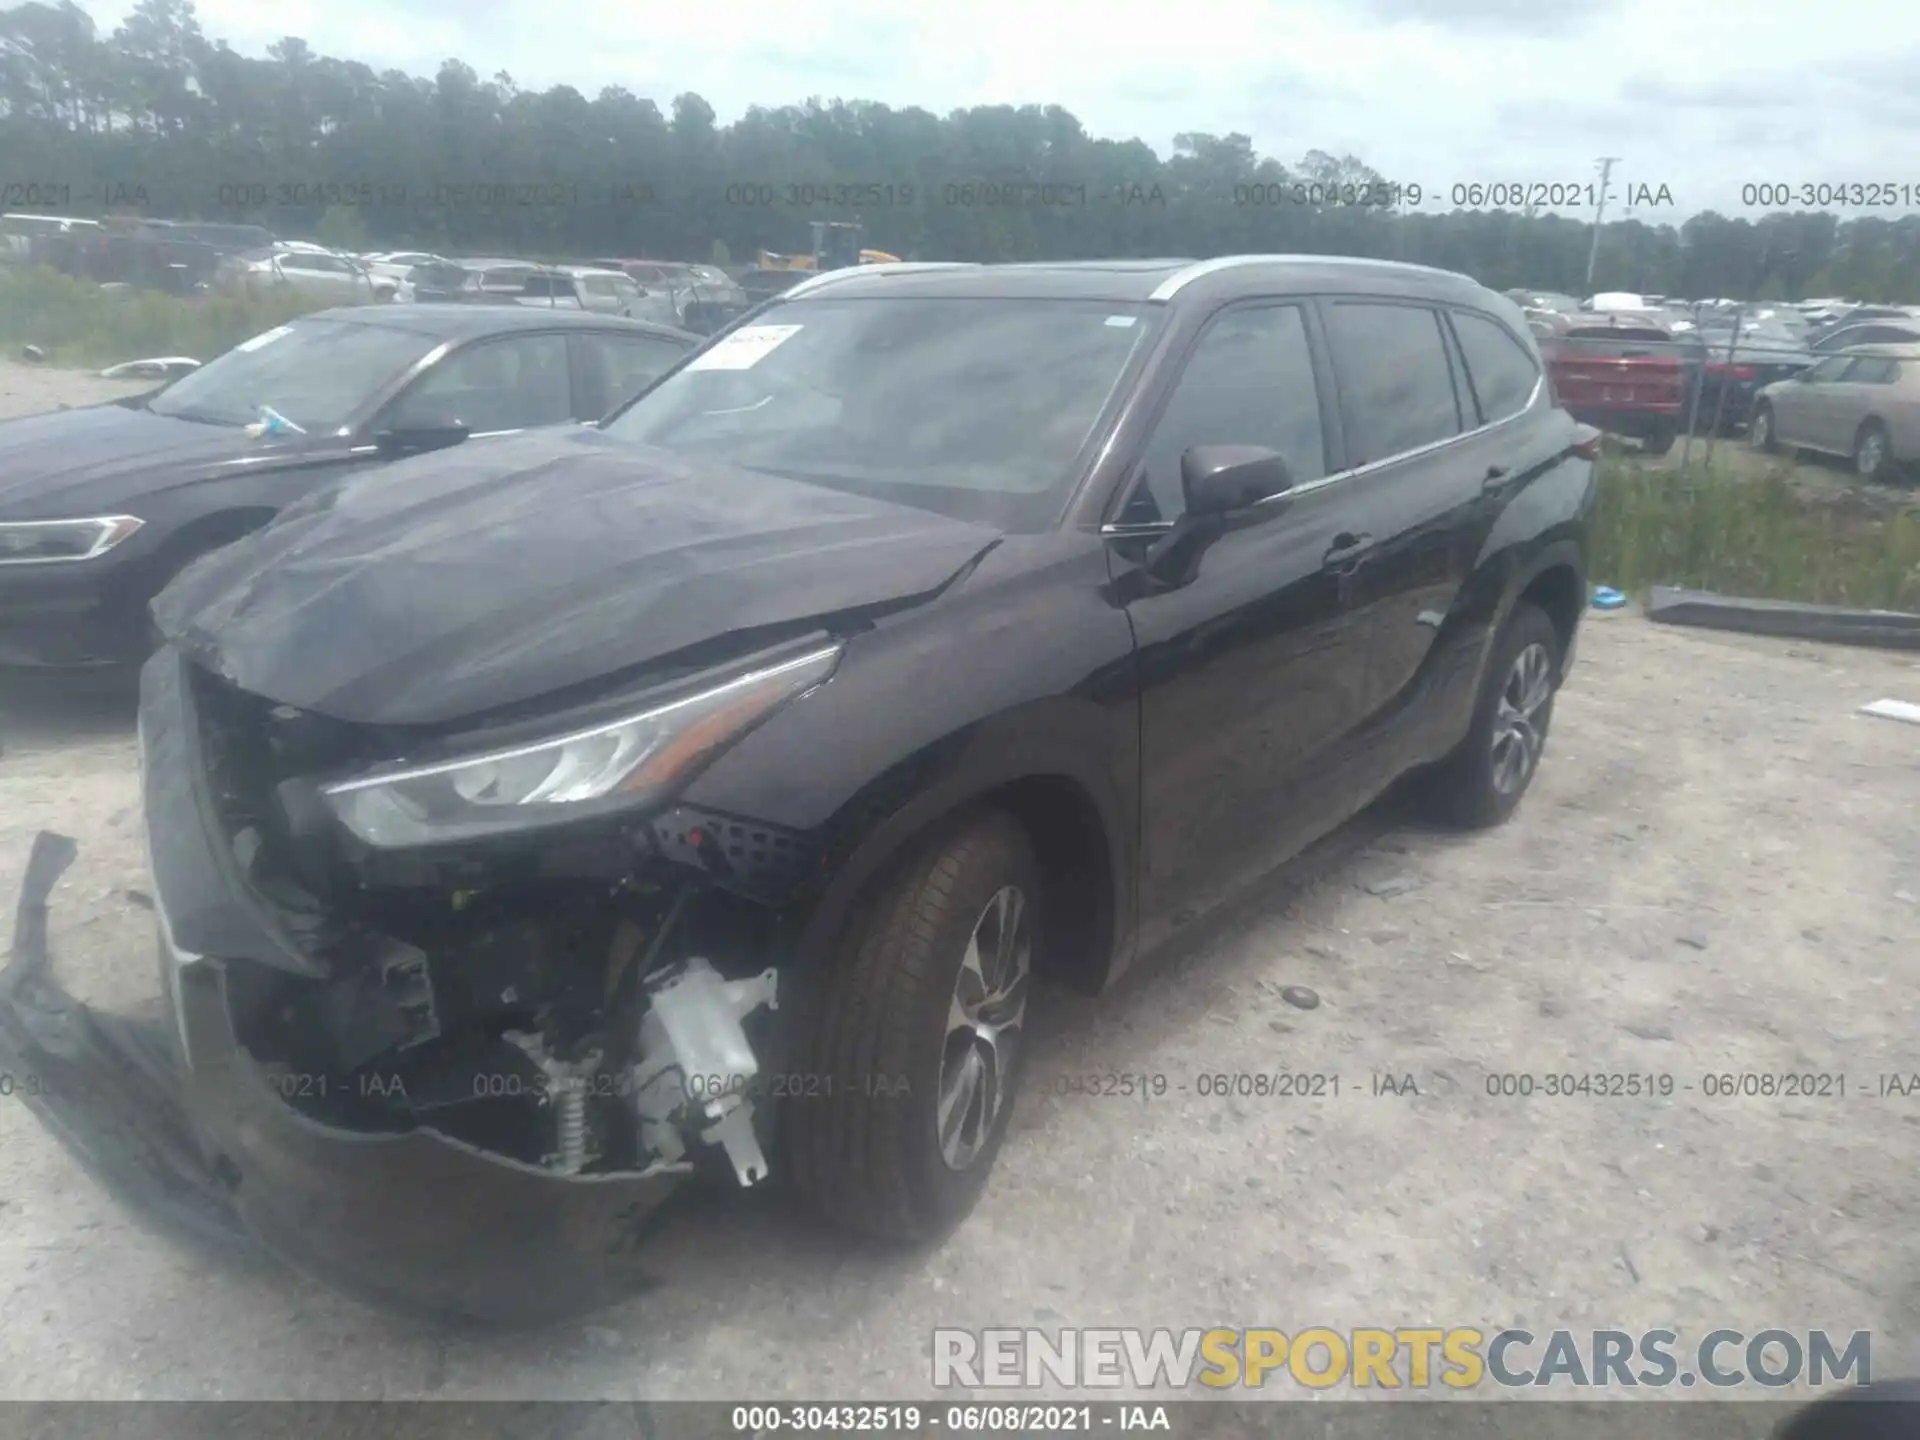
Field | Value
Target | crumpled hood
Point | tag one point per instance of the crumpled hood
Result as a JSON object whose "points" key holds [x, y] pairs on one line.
{"points": [[99, 459], [502, 570]]}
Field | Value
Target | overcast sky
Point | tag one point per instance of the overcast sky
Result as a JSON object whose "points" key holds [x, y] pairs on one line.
{"points": [[1699, 98]]}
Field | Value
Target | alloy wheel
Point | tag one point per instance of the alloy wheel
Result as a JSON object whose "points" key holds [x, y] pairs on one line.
{"points": [[984, 1017], [1761, 429], [1871, 455], [1517, 731]]}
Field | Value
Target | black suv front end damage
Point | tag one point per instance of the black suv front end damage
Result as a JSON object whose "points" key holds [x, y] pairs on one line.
{"points": [[460, 1082]]}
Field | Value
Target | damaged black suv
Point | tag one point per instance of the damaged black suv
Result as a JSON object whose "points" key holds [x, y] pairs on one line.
{"points": [[540, 823]]}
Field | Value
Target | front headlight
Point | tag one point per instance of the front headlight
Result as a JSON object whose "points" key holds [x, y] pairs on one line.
{"points": [[41, 542], [628, 762]]}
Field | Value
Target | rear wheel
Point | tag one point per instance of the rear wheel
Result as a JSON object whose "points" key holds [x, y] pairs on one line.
{"points": [[1872, 453], [1760, 433], [910, 1044], [1657, 444], [1481, 782]]}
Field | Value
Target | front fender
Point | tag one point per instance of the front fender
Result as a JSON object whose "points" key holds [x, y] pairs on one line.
{"points": [[910, 802], [1023, 674]]}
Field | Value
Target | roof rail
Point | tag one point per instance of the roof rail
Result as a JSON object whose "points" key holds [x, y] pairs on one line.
{"points": [[889, 267], [1174, 284]]}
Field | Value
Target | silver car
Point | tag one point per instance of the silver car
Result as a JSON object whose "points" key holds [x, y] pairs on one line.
{"points": [[607, 292], [1863, 404], [393, 265], [325, 275]]}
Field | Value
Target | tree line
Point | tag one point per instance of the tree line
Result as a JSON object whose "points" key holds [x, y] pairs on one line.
{"points": [[156, 118]]}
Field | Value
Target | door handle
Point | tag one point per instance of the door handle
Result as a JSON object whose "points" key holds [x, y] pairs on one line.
{"points": [[1495, 474], [1346, 552]]}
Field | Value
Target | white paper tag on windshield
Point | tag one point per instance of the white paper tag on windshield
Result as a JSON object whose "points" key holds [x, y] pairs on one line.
{"points": [[265, 338], [744, 348]]}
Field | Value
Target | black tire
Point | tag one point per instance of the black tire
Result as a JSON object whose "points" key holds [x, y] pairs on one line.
{"points": [[1658, 444], [861, 1143], [1466, 789], [1873, 461], [1760, 431]]}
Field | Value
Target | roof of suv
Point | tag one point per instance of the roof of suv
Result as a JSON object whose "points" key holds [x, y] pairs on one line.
{"points": [[1135, 281]]}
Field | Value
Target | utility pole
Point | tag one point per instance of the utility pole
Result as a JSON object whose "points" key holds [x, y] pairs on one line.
{"points": [[1599, 209]]}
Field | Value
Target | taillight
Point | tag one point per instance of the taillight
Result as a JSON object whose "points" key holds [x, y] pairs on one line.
{"points": [[1587, 447], [1730, 372]]}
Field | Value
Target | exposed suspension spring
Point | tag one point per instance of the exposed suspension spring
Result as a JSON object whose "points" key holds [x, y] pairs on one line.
{"points": [[570, 1123], [567, 1093]]}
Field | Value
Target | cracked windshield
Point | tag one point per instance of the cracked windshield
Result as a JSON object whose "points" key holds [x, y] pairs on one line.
{"points": [[918, 730]]}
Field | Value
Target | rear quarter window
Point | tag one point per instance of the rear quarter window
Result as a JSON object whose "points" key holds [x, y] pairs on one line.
{"points": [[1500, 369]]}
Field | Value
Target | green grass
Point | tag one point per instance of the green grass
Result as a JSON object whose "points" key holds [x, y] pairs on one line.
{"points": [[1751, 535], [78, 323]]}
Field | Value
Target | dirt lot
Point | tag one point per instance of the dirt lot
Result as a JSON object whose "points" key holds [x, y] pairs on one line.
{"points": [[1718, 871]]}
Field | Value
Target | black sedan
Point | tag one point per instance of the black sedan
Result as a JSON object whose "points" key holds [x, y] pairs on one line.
{"points": [[101, 506], [1737, 365]]}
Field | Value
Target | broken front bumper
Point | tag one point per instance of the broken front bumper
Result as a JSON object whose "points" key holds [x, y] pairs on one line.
{"points": [[178, 1119]]}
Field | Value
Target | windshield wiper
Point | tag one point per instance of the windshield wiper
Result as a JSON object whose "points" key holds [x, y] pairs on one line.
{"points": [[196, 417]]}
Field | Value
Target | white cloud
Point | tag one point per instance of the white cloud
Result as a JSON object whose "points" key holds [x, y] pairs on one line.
{"points": [[1697, 98]]}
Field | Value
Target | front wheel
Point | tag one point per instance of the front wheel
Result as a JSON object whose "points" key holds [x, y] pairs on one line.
{"points": [[1760, 432], [1481, 782], [911, 1040], [1657, 444]]}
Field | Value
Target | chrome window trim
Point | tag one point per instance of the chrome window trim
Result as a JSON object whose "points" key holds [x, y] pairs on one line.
{"points": [[1117, 531]]}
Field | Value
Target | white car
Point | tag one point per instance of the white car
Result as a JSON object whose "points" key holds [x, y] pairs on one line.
{"points": [[394, 264], [312, 269], [585, 287]]}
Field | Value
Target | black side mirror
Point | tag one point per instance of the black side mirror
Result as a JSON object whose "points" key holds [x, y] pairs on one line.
{"points": [[1219, 479], [418, 439]]}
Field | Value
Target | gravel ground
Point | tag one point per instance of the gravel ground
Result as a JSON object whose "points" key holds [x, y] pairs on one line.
{"points": [[1717, 870]]}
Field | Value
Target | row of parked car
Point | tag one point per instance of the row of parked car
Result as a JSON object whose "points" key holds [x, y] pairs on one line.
{"points": [[187, 257], [1823, 375], [690, 296]]}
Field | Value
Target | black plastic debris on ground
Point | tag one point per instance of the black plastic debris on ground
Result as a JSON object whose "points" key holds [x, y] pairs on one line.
{"points": [[1838, 624]]}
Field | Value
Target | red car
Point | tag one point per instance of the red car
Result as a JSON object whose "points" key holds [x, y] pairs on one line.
{"points": [[1627, 377]]}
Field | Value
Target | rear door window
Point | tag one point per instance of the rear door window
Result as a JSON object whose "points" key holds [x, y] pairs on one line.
{"points": [[1499, 368], [1396, 383]]}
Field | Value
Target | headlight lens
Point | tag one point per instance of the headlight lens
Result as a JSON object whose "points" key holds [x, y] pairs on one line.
{"points": [[625, 763], [40, 542]]}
